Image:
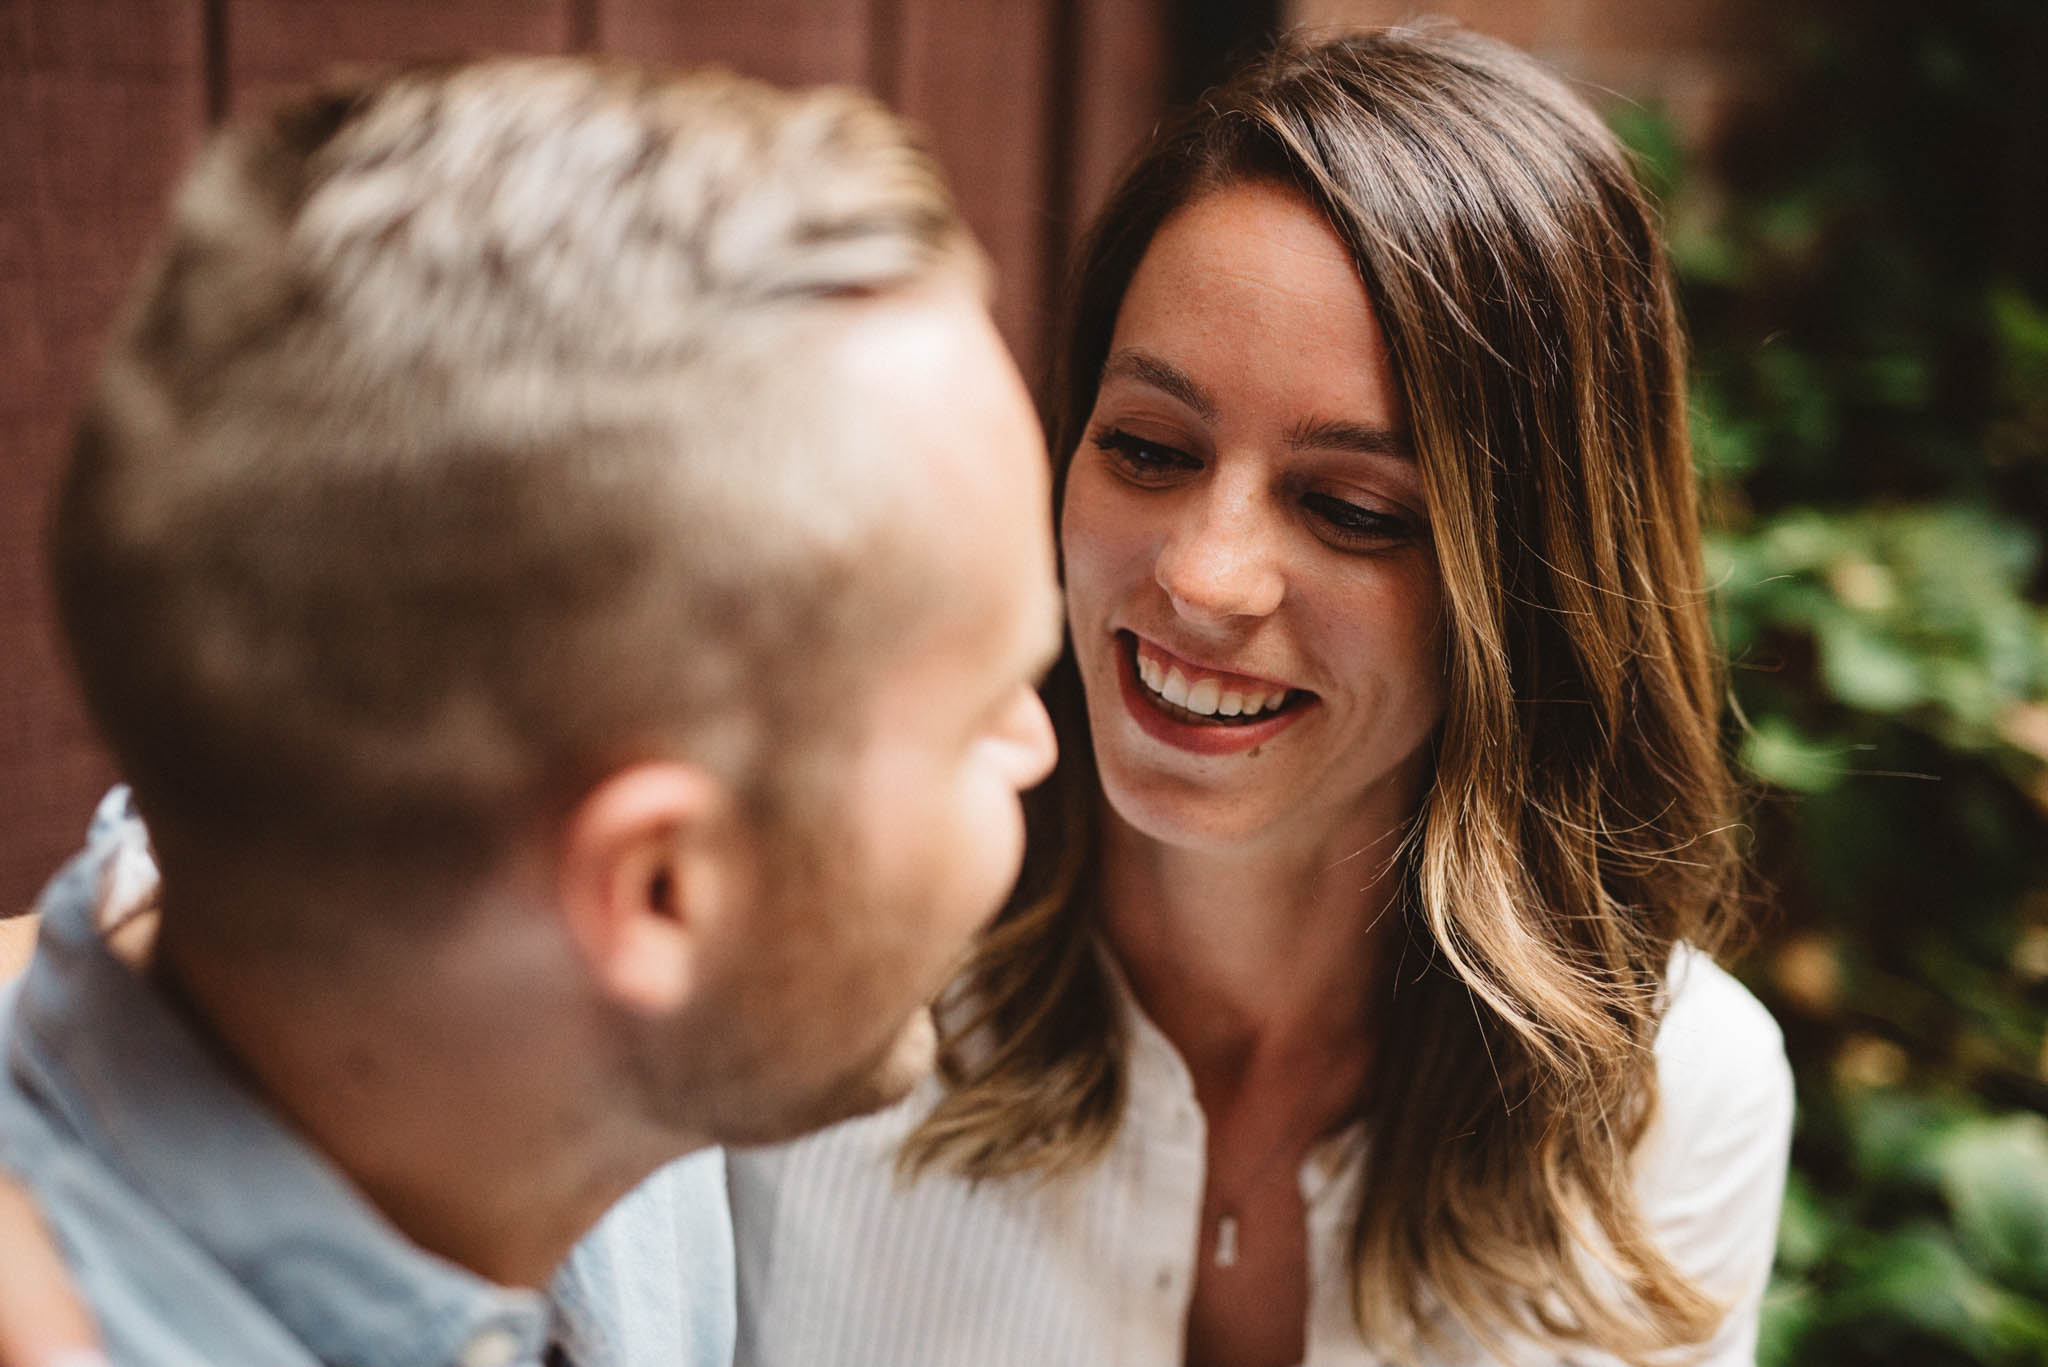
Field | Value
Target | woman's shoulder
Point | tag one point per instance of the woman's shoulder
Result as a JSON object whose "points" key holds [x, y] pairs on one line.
{"points": [[1705, 997], [1717, 1045], [1711, 1169]]}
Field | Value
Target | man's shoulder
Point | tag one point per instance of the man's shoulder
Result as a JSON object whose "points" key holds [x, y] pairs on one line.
{"points": [[68, 1131], [157, 1298]]}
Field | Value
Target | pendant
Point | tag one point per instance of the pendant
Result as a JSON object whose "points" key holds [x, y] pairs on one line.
{"points": [[1226, 1241]]}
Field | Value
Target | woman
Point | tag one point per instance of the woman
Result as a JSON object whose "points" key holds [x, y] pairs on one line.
{"points": [[1393, 832]]}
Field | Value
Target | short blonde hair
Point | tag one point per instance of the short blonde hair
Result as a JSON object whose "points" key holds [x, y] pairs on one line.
{"points": [[452, 453]]}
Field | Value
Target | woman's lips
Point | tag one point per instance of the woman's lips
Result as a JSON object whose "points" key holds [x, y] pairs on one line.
{"points": [[1206, 693]]}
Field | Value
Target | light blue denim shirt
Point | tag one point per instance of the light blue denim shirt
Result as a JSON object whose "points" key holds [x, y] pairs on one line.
{"points": [[201, 1232]]}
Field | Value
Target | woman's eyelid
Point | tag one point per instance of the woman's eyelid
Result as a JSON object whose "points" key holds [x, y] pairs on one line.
{"points": [[1396, 505], [1378, 522], [1146, 416], [1139, 452]]}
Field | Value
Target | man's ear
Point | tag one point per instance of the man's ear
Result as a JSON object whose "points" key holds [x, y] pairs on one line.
{"points": [[648, 870]]}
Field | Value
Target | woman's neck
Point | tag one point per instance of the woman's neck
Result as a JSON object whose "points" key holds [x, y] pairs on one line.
{"points": [[1248, 955]]}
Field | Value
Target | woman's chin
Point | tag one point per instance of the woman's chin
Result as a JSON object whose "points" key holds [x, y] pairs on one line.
{"points": [[1184, 814]]}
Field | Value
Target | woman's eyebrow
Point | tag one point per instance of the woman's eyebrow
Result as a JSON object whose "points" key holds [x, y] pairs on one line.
{"points": [[1362, 438], [1321, 435], [1146, 368]]}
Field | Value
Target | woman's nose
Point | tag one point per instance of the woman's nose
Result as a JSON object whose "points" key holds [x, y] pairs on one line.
{"points": [[1223, 560]]}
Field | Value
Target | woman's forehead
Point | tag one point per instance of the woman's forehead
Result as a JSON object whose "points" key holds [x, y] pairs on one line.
{"points": [[1247, 291]]}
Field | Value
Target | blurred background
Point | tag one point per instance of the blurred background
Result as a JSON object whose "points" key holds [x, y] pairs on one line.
{"points": [[1856, 193]]}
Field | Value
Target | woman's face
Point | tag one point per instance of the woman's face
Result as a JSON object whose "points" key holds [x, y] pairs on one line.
{"points": [[1252, 590]]}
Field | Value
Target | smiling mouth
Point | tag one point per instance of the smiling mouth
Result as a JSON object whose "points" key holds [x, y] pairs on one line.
{"points": [[1198, 697]]}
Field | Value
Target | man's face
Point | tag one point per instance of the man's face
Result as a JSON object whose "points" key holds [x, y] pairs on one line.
{"points": [[924, 832]]}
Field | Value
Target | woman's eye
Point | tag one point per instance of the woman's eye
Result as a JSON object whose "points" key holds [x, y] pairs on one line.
{"points": [[1146, 462], [1354, 524]]}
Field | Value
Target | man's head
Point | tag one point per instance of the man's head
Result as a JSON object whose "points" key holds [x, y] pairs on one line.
{"points": [[511, 456]]}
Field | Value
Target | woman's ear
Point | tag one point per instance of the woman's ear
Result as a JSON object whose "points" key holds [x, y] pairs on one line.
{"points": [[648, 872]]}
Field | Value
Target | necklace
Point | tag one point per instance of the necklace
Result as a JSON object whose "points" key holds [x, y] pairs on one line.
{"points": [[1226, 1241], [1228, 1221]]}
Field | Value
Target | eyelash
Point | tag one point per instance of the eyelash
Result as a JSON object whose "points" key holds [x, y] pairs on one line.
{"points": [[1153, 465], [1139, 460]]}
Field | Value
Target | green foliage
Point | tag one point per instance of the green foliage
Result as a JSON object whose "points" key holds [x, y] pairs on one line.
{"points": [[1916, 615], [1863, 265], [1941, 1256]]}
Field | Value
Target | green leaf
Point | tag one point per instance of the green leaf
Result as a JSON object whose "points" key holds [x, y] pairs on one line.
{"points": [[1896, 380], [1896, 1137], [1806, 1228], [2022, 329], [1648, 132], [1919, 1278], [1864, 668], [1787, 1320], [1777, 753], [1995, 1175]]}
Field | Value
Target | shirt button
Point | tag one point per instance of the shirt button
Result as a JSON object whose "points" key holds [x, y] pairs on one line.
{"points": [[494, 1347]]}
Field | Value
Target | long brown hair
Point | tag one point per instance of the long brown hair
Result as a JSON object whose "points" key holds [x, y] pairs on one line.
{"points": [[1579, 825]]}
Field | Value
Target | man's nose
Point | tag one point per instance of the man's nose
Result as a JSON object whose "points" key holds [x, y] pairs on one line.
{"points": [[1028, 731], [1223, 560]]}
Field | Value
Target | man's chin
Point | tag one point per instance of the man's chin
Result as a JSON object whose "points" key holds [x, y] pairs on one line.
{"points": [[882, 1083], [909, 1062]]}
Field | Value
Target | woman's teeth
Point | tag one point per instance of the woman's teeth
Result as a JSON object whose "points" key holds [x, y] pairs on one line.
{"points": [[1206, 697]]}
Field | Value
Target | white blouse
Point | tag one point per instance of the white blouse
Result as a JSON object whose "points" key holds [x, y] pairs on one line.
{"points": [[842, 1264]]}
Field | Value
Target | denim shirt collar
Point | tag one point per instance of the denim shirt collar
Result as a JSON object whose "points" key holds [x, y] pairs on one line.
{"points": [[123, 1071]]}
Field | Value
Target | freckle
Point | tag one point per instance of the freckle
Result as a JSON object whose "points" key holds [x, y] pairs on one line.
{"points": [[1253, 753]]}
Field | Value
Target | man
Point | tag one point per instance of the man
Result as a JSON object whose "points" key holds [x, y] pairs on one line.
{"points": [[555, 553]]}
